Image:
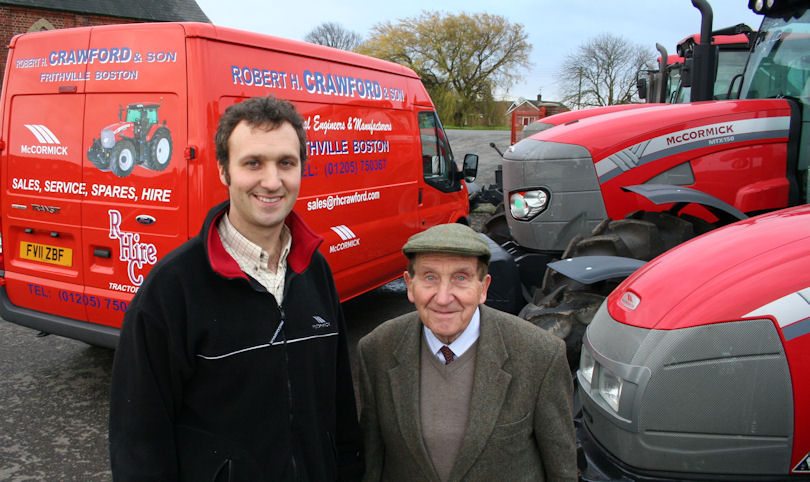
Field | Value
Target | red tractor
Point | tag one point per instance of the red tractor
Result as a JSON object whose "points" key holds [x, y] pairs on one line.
{"points": [[696, 366], [138, 138], [637, 182]]}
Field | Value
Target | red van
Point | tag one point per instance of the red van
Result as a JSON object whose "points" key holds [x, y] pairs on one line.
{"points": [[107, 160]]}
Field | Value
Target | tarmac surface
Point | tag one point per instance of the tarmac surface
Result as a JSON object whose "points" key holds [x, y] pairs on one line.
{"points": [[54, 392]]}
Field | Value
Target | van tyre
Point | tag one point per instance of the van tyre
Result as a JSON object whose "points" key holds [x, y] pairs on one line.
{"points": [[160, 150], [566, 306], [123, 158]]}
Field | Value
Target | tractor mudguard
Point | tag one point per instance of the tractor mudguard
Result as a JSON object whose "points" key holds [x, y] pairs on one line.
{"points": [[667, 193], [591, 269]]}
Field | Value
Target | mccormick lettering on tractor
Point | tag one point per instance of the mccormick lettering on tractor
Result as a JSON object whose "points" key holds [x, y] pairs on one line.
{"points": [[82, 225]]}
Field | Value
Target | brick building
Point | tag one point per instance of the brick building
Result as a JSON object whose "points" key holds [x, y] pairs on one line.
{"points": [[524, 112], [23, 16]]}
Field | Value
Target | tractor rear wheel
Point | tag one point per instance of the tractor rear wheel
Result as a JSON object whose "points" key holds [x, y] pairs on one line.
{"points": [[568, 306], [123, 158], [160, 150]]}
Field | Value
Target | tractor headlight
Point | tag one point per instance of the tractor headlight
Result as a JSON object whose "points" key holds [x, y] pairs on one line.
{"points": [[610, 388], [524, 205], [586, 364], [107, 139]]}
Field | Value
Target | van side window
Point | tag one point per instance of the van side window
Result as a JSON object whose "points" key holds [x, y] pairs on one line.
{"points": [[438, 165]]}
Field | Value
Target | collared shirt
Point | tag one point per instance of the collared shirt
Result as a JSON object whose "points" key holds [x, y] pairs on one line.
{"points": [[255, 261], [460, 344]]}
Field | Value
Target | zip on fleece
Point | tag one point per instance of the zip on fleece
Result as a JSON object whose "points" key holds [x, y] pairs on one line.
{"points": [[290, 397]]}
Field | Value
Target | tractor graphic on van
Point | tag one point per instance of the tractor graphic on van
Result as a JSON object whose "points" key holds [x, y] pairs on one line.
{"points": [[137, 138]]}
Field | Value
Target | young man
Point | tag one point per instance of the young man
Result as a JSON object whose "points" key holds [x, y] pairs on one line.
{"points": [[458, 390], [232, 362]]}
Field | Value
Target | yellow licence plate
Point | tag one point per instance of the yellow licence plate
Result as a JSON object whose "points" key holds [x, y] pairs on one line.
{"points": [[46, 254]]}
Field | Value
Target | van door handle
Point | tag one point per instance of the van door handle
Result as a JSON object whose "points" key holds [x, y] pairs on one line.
{"points": [[102, 252]]}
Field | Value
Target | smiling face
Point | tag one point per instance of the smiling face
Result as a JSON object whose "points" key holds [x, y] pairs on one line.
{"points": [[263, 178], [446, 290]]}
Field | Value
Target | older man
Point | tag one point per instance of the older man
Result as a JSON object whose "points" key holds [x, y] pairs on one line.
{"points": [[458, 390]]}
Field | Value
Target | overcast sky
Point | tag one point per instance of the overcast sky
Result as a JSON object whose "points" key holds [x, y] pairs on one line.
{"points": [[555, 28]]}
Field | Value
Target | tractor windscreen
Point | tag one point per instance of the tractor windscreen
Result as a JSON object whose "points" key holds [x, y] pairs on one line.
{"points": [[779, 65]]}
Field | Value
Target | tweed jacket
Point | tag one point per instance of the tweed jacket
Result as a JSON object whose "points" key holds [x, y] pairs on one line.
{"points": [[520, 425]]}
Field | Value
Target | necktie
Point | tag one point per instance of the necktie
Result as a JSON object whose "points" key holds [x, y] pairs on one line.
{"points": [[448, 354]]}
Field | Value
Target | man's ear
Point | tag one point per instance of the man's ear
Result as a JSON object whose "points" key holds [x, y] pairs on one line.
{"points": [[487, 279], [223, 175], [408, 282]]}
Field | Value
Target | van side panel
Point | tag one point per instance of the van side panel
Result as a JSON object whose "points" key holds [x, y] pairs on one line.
{"points": [[359, 187]]}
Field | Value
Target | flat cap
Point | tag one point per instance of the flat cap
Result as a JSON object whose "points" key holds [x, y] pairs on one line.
{"points": [[452, 238]]}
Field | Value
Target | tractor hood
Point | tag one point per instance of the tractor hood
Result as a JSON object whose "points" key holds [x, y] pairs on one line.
{"points": [[724, 275], [117, 127], [660, 128], [577, 115]]}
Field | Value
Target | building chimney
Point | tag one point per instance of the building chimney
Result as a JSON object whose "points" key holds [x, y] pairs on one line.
{"points": [[539, 97]]}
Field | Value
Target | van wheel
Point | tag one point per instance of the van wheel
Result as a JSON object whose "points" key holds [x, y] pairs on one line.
{"points": [[160, 150], [123, 158]]}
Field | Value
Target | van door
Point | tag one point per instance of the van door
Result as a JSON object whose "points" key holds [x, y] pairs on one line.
{"points": [[42, 204], [135, 172], [440, 179], [42, 176]]}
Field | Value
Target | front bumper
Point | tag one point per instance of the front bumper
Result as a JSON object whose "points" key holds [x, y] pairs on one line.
{"points": [[709, 402], [92, 333]]}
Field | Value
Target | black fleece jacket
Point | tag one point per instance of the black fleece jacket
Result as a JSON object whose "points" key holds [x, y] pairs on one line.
{"points": [[213, 380]]}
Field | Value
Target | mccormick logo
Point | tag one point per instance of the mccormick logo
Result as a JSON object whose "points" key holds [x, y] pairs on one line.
{"points": [[348, 237], [49, 144], [320, 323]]}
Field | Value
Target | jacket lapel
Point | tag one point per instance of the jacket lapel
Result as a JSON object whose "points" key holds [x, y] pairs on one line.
{"points": [[405, 392], [490, 384]]}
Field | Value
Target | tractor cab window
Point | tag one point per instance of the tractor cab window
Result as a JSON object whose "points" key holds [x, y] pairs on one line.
{"points": [[439, 168], [779, 65], [151, 116], [133, 115]]}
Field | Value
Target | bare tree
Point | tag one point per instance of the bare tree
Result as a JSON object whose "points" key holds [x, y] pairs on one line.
{"points": [[460, 58], [334, 35], [603, 72]]}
